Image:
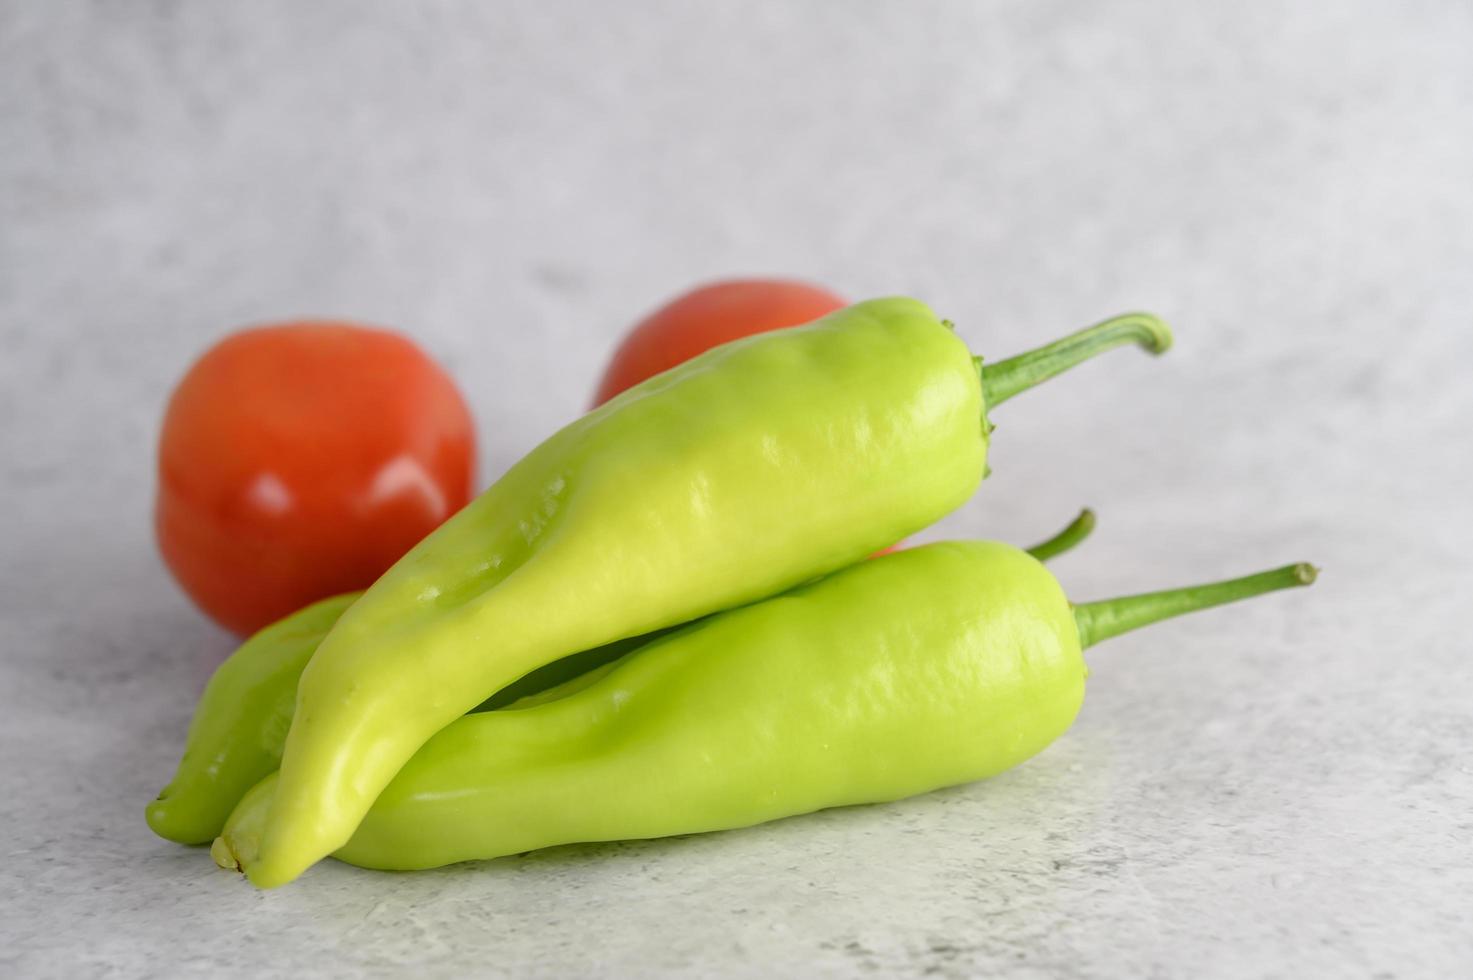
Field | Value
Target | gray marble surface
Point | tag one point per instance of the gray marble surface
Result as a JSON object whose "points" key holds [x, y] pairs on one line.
{"points": [[1282, 789]]}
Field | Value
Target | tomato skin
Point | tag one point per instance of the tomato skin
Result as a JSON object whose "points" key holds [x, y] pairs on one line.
{"points": [[300, 460], [706, 317]]}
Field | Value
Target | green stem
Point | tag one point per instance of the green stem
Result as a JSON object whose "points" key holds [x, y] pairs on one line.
{"points": [[1101, 620], [1076, 532], [1005, 379]]}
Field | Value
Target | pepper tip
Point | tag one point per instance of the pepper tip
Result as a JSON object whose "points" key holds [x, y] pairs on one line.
{"points": [[224, 856]]}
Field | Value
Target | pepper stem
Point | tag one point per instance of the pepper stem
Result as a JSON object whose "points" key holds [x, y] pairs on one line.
{"points": [[1005, 379], [1076, 532], [1101, 620]]}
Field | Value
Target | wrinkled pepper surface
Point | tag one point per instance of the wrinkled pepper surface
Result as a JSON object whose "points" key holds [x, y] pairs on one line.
{"points": [[241, 721], [743, 472], [240, 724], [929, 667]]}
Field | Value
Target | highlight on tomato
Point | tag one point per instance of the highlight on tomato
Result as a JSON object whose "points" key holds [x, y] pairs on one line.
{"points": [[300, 460]]}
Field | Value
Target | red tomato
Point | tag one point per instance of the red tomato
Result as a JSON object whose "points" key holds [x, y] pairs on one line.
{"points": [[300, 460], [707, 317]]}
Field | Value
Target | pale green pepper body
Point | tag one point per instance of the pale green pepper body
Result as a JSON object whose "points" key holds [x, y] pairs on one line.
{"points": [[734, 476], [240, 724], [926, 668], [756, 466], [241, 721]]}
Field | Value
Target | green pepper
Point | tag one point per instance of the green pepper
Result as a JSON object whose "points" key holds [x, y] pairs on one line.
{"points": [[242, 718], [243, 715], [756, 466], [927, 668], [241, 723]]}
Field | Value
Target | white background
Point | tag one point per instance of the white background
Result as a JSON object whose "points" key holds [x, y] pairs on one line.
{"points": [[1279, 789]]}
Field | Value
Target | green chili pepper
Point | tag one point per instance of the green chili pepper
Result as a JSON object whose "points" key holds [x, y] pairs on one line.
{"points": [[240, 724], [747, 470], [242, 718], [926, 668], [243, 715]]}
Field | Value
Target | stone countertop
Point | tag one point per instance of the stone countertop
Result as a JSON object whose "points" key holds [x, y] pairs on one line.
{"points": [[1276, 789]]}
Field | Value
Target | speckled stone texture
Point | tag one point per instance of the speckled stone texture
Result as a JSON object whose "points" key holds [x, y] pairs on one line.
{"points": [[1280, 790]]}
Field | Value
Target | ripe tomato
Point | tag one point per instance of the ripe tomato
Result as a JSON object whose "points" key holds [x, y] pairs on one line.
{"points": [[301, 460], [707, 317]]}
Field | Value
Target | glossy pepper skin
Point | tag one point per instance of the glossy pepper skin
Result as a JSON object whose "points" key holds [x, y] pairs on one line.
{"points": [[241, 721], [925, 668], [930, 667], [751, 468], [240, 724]]}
